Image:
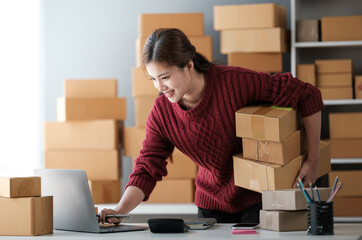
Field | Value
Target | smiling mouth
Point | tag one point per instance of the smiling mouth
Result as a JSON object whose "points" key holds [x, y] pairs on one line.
{"points": [[170, 93]]}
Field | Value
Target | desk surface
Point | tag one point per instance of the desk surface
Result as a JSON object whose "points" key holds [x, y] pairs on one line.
{"points": [[218, 232]]}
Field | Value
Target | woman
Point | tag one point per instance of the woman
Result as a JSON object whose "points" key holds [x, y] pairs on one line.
{"points": [[196, 114]]}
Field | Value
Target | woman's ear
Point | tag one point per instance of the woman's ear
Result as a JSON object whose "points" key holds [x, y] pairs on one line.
{"points": [[190, 65]]}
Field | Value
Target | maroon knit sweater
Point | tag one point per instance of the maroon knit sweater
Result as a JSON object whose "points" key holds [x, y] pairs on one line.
{"points": [[207, 135]]}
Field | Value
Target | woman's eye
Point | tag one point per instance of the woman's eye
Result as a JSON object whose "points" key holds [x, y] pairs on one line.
{"points": [[164, 78]]}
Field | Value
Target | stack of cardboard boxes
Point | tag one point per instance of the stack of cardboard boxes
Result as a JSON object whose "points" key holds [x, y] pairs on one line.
{"points": [[90, 119], [253, 36], [23, 211], [273, 148], [179, 184]]}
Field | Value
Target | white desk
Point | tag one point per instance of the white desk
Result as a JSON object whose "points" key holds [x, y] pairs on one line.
{"points": [[218, 232]]}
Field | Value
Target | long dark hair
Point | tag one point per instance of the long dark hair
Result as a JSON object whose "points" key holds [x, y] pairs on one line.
{"points": [[171, 46]]}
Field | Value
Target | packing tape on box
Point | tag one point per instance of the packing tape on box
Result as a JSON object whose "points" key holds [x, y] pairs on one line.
{"points": [[257, 125], [255, 184], [263, 152]]}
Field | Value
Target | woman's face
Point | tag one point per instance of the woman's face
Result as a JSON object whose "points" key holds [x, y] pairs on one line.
{"points": [[171, 80]]}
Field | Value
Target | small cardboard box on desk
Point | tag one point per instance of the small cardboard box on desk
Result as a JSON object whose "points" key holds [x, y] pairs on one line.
{"points": [[23, 211]]}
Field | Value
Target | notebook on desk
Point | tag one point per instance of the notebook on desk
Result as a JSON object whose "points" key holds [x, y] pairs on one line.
{"points": [[200, 223], [73, 203]]}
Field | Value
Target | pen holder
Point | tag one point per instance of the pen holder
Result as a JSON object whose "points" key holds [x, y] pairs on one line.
{"points": [[320, 218]]}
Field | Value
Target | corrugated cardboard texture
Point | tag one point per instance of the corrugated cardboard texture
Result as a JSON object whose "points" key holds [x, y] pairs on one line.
{"points": [[20, 187], [346, 148], [105, 191], [343, 28], [174, 190], [339, 129], [352, 180], [89, 88], [306, 73], [336, 92], [249, 16], [262, 62], [284, 221]]}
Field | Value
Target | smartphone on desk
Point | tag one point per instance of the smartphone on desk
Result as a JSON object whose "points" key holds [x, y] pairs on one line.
{"points": [[239, 226], [120, 216]]}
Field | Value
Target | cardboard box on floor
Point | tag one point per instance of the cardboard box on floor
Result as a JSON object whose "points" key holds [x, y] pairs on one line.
{"points": [[347, 206], [351, 179], [142, 86], [71, 109], [336, 92], [290, 199], [98, 164], [203, 45], [338, 127], [173, 190], [273, 152], [346, 148], [282, 221], [192, 24], [342, 28], [308, 30], [262, 62], [306, 73], [334, 79], [133, 138], [333, 66], [267, 40], [81, 135], [90, 88], [249, 16], [20, 187], [30, 216], [265, 122], [260, 176], [143, 107], [105, 191], [358, 87]]}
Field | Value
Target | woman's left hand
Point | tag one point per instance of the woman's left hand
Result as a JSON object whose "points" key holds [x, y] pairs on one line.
{"points": [[308, 173]]}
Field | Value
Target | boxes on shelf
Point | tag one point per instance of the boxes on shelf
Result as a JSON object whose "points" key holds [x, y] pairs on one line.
{"points": [[334, 66], [307, 73], [262, 62], [342, 28], [90, 88], [267, 40], [105, 191], [336, 92], [334, 79], [249, 16], [192, 24], [16, 187], [338, 127], [142, 86], [346, 148], [358, 87], [347, 206], [284, 220], [98, 164], [351, 179], [133, 138], [30, 216], [173, 190], [308, 30], [143, 107]]}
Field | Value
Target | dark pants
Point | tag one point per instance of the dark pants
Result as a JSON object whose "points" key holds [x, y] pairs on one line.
{"points": [[249, 215]]}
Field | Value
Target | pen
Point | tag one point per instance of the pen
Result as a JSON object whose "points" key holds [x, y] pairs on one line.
{"points": [[304, 192], [339, 186], [334, 185], [311, 191], [317, 193]]}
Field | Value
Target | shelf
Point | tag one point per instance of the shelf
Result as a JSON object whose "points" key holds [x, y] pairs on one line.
{"points": [[328, 44], [342, 101], [346, 160], [347, 219]]}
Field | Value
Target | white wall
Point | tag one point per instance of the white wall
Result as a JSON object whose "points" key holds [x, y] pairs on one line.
{"points": [[96, 39]]}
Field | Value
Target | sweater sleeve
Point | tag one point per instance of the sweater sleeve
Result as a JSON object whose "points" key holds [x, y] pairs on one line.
{"points": [[150, 165], [283, 90]]}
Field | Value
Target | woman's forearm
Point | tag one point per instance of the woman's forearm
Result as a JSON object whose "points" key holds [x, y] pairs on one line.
{"points": [[131, 198]]}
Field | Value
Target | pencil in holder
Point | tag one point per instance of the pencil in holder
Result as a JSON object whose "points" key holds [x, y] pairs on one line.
{"points": [[320, 218]]}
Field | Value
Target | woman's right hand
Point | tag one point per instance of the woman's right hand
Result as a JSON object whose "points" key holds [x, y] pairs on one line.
{"points": [[106, 211]]}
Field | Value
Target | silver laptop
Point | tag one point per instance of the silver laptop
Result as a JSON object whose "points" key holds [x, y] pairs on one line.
{"points": [[73, 203]]}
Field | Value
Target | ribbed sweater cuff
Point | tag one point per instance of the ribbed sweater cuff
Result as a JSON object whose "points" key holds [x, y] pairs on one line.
{"points": [[311, 105], [146, 185]]}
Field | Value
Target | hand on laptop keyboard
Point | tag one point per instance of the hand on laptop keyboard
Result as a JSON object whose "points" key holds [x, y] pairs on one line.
{"points": [[102, 216]]}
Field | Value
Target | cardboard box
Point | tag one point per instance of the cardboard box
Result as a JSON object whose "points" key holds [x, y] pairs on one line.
{"points": [[133, 138], [336, 92], [334, 80], [70, 109], [90, 88], [267, 40], [306, 73], [324, 166], [347, 206], [181, 166], [273, 152], [142, 86], [31, 216], [192, 24], [143, 107], [346, 148], [290, 199], [308, 30], [358, 87], [350, 179], [96, 210], [173, 191], [343, 28], [339, 129], [20, 187], [260, 176], [282, 221], [265, 122], [334, 66], [203, 45], [261, 62], [105, 191], [81, 135], [249, 16], [98, 165]]}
